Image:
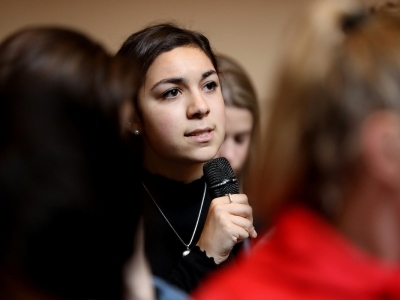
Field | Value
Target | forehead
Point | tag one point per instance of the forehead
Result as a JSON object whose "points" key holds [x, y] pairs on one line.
{"points": [[179, 61], [238, 119]]}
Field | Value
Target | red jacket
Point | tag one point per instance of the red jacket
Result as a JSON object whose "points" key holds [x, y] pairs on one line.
{"points": [[304, 257]]}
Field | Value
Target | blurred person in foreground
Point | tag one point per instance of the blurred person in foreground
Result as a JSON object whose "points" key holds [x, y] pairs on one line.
{"points": [[330, 167], [387, 6], [68, 212]]}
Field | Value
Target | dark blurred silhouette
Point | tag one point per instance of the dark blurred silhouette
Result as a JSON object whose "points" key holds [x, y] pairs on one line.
{"points": [[329, 174], [68, 210]]}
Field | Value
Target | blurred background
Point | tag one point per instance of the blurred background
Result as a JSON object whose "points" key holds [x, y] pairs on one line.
{"points": [[250, 31]]}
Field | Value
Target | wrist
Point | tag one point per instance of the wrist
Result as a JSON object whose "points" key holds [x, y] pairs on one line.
{"points": [[214, 255]]}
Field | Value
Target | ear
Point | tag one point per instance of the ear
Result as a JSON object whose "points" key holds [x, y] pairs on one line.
{"points": [[129, 120], [380, 146]]}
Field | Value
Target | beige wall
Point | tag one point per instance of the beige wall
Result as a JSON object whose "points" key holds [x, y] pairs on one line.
{"points": [[248, 30]]}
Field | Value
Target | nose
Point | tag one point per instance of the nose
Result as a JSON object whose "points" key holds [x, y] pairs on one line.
{"points": [[198, 107]]}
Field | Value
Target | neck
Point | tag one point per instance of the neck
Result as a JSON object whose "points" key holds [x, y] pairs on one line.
{"points": [[183, 172], [370, 219]]}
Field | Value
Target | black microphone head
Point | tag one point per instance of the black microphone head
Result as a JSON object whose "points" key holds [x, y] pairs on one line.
{"points": [[220, 177]]}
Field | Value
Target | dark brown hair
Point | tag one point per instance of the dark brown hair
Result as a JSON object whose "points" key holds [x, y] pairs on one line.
{"points": [[68, 213], [144, 46]]}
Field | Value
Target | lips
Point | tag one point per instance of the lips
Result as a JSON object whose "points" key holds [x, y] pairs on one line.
{"points": [[201, 135], [199, 132]]}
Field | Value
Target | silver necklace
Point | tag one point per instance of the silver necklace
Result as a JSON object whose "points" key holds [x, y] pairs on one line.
{"points": [[187, 251]]}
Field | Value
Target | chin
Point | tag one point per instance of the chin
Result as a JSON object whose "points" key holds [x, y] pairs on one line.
{"points": [[205, 156]]}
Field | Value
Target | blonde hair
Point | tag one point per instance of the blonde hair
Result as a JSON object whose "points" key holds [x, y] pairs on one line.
{"points": [[238, 91], [343, 64]]}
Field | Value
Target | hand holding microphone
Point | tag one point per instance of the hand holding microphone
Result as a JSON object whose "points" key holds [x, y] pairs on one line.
{"points": [[230, 217]]}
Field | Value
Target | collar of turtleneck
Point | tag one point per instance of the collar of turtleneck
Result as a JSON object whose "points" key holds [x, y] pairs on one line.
{"points": [[171, 192]]}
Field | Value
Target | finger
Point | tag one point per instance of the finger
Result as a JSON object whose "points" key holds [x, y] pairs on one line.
{"points": [[240, 210], [241, 234], [253, 233], [239, 198], [242, 223], [236, 198]]}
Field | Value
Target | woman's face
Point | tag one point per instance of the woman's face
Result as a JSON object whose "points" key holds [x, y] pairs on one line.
{"points": [[183, 116], [239, 125]]}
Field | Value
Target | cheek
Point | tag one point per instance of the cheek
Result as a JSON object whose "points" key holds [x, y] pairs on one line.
{"points": [[160, 126], [218, 110], [243, 151]]}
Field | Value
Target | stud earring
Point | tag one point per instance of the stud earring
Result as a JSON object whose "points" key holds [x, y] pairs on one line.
{"points": [[136, 132]]}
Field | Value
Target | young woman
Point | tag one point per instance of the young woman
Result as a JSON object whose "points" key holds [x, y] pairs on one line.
{"points": [[178, 121], [330, 166], [242, 120]]}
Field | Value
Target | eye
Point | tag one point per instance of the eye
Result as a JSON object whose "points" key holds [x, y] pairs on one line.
{"points": [[170, 94], [242, 138], [210, 86]]}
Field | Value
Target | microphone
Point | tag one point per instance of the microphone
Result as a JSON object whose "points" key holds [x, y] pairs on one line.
{"points": [[221, 181], [220, 177]]}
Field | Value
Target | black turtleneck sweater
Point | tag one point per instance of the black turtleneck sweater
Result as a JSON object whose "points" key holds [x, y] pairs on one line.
{"points": [[180, 203]]}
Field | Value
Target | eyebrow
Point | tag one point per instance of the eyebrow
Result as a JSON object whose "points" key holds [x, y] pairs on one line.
{"points": [[246, 132], [179, 80], [208, 73], [175, 80]]}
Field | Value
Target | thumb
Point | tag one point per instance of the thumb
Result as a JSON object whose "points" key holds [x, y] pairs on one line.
{"points": [[253, 233]]}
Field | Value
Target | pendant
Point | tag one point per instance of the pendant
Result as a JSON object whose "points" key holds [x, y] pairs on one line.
{"points": [[186, 252]]}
